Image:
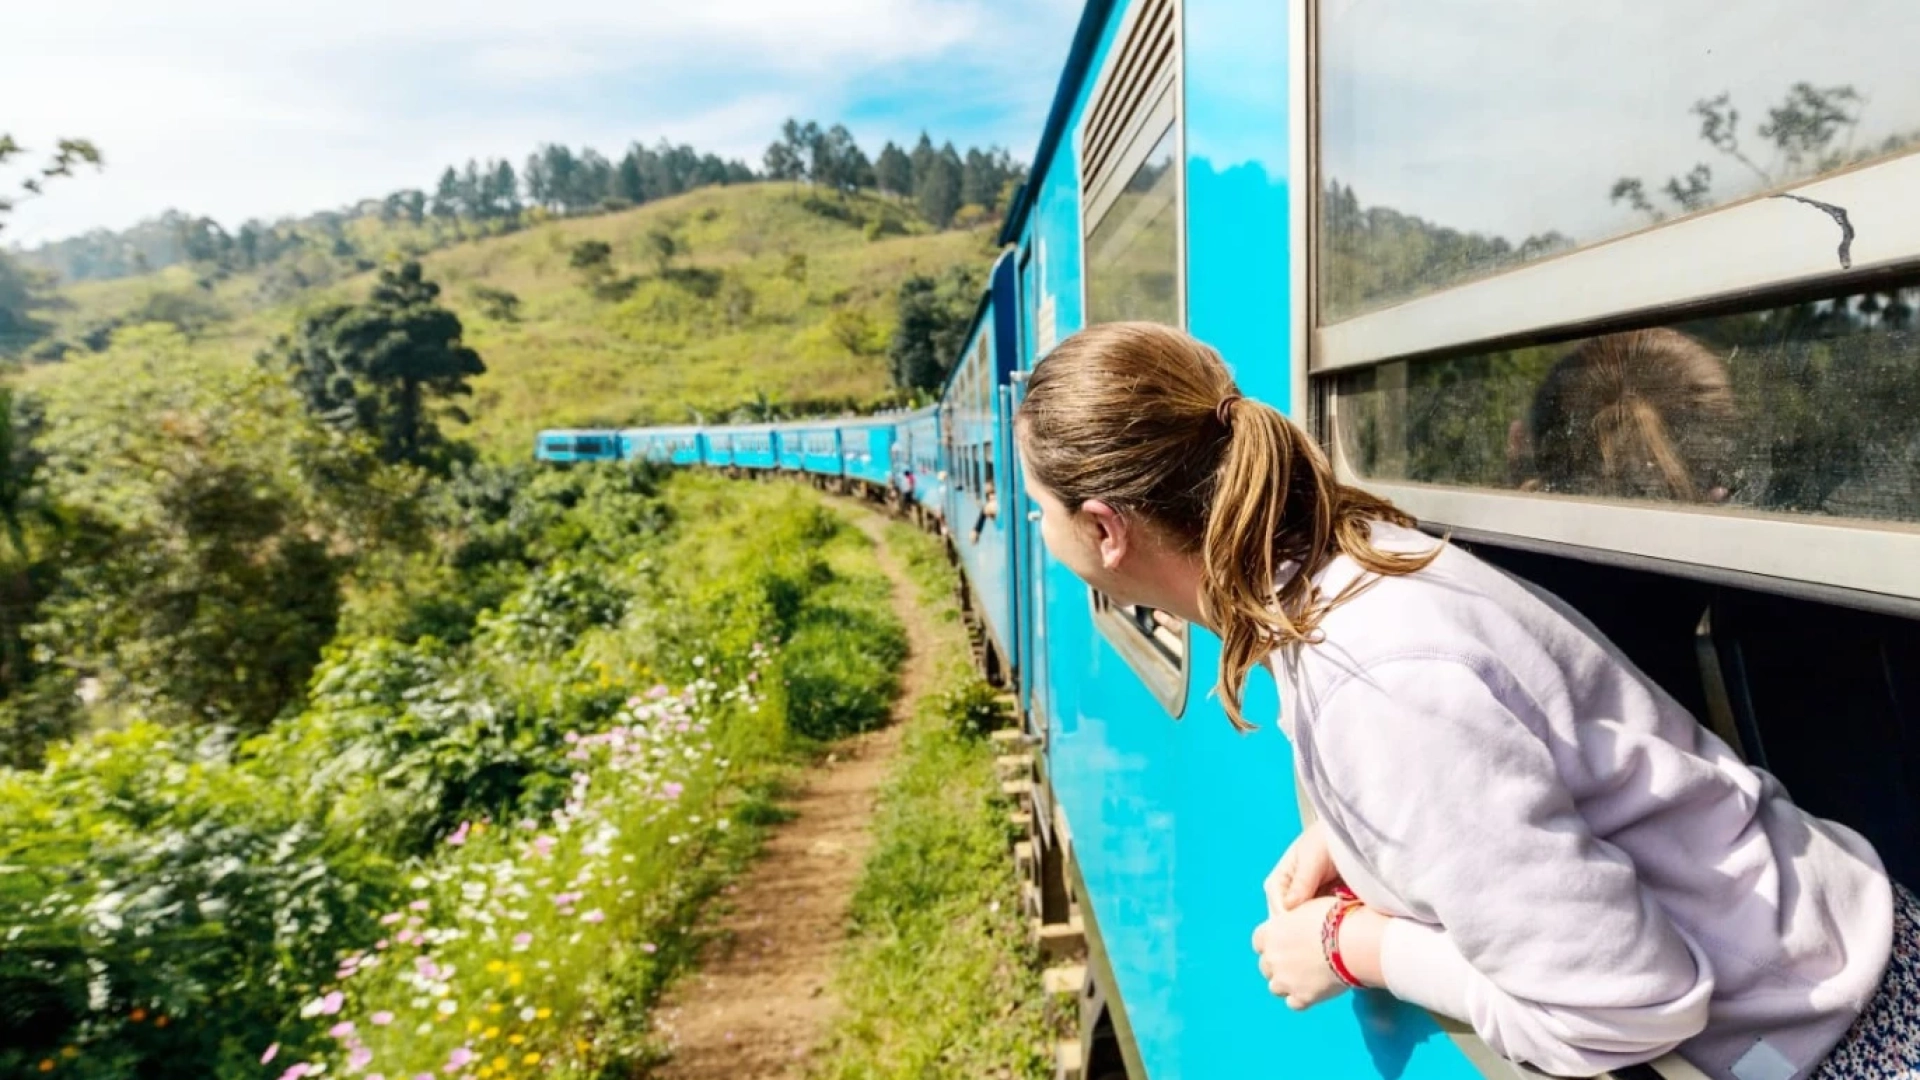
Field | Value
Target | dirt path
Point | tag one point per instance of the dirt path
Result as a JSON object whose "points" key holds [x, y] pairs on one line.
{"points": [[761, 998]]}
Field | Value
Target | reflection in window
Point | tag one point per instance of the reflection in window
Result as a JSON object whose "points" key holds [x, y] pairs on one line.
{"points": [[1460, 137], [1133, 255], [1809, 408]]}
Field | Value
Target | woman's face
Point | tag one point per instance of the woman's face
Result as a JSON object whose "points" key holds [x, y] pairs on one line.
{"points": [[1093, 541]]}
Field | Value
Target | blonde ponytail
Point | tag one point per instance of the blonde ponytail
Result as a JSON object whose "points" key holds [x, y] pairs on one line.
{"points": [[1149, 420]]}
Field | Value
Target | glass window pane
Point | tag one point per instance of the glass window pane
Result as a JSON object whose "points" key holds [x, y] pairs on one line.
{"points": [[1809, 408], [1133, 254], [1460, 137]]}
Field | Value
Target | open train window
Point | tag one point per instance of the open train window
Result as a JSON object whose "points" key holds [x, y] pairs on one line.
{"points": [[1132, 192], [1667, 366]]}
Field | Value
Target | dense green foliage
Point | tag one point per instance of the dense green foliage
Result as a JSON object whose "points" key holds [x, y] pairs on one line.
{"points": [[178, 901], [938, 979], [933, 314]]}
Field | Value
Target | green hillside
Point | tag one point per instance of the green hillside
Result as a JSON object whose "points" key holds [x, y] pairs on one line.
{"points": [[772, 289]]}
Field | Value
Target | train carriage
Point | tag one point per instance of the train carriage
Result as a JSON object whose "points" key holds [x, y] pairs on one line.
{"points": [[566, 446], [755, 447], [866, 451], [1420, 242]]}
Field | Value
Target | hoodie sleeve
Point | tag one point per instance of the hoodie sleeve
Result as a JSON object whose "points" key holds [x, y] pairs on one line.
{"points": [[1528, 927]]}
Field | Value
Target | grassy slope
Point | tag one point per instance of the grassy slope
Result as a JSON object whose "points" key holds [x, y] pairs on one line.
{"points": [[736, 317]]}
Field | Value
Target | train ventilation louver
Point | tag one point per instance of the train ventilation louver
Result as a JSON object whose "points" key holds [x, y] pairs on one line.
{"points": [[1133, 93]]}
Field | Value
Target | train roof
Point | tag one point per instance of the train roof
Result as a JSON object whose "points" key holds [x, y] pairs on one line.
{"points": [[1086, 39]]}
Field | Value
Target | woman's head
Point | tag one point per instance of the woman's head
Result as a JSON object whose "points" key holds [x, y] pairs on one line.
{"points": [[1145, 458], [1646, 414]]}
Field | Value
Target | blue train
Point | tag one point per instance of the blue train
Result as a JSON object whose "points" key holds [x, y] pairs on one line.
{"points": [[1391, 230]]}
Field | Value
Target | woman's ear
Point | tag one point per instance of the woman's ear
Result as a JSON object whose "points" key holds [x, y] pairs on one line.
{"points": [[1112, 529]]}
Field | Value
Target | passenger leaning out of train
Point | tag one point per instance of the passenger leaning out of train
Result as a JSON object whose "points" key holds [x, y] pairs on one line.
{"points": [[989, 509], [1516, 827]]}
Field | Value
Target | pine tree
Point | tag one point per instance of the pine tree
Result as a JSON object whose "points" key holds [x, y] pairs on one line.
{"points": [[893, 172]]}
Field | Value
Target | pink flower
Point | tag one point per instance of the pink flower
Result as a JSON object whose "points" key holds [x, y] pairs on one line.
{"points": [[671, 789], [458, 1059], [341, 1030], [521, 941], [649, 947], [594, 916], [360, 1058], [459, 835], [543, 845], [390, 918], [420, 905], [296, 1070], [272, 1052], [381, 944], [330, 1005], [381, 1018]]}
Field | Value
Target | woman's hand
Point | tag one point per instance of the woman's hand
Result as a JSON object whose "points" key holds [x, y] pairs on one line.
{"points": [[1291, 958], [1305, 871]]}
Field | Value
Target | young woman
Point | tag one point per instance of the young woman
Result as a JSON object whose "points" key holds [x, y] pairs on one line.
{"points": [[1522, 831]]}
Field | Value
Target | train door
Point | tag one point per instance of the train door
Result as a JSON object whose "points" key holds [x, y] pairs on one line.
{"points": [[1029, 560]]}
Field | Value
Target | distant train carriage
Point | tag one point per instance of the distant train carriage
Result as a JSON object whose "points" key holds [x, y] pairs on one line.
{"points": [[919, 453], [819, 449], [754, 447], [789, 448], [716, 447], [566, 446], [866, 451]]}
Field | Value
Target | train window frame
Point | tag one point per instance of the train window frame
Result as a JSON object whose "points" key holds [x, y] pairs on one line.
{"points": [[1131, 108], [1745, 256]]}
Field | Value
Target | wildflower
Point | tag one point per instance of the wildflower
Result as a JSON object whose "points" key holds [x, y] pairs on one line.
{"points": [[381, 1018], [360, 1058], [390, 918], [594, 916], [499, 1063], [649, 947], [530, 1059], [272, 1052], [330, 1005], [458, 836], [458, 1059], [671, 789], [492, 1033], [420, 905], [544, 1013], [46, 1064], [448, 1008], [341, 1030], [296, 1070], [522, 941], [516, 1039], [159, 1021], [137, 1015], [526, 1015]]}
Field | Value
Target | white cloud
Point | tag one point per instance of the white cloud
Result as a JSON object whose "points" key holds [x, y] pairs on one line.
{"points": [[244, 108]]}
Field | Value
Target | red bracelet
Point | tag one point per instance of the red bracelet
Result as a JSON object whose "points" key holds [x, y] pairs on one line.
{"points": [[1330, 941]]}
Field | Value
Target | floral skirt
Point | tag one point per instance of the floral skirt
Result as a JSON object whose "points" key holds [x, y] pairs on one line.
{"points": [[1884, 1044]]}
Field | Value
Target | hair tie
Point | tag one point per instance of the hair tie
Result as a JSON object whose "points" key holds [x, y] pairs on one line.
{"points": [[1223, 412]]}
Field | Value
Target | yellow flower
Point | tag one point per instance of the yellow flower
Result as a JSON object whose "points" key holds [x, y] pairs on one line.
{"points": [[473, 1026], [513, 979], [544, 1013], [494, 1008], [492, 1033], [486, 1070], [516, 1039], [530, 1059], [70, 1052], [500, 1063], [496, 966]]}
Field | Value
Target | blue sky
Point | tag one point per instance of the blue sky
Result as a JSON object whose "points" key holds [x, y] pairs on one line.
{"points": [[245, 108]]}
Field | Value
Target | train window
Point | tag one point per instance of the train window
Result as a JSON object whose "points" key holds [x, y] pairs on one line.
{"points": [[1133, 253], [1447, 156], [1131, 201]]}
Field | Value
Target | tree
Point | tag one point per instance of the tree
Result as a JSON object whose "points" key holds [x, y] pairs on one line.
{"points": [[67, 155], [446, 195], [893, 172], [503, 193], [381, 366], [781, 163], [629, 182], [921, 161], [932, 318], [664, 243], [939, 191], [22, 292]]}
